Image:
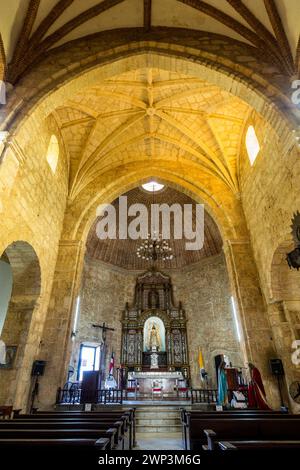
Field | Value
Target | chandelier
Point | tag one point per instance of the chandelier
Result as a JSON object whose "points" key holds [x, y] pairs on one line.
{"points": [[155, 249]]}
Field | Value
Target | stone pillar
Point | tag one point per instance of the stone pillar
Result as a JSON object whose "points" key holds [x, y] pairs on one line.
{"points": [[283, 327], [257, 342], [57, 344]]}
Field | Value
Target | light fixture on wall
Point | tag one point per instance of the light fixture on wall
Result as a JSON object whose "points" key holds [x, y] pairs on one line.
{"points": [[293, 258]]}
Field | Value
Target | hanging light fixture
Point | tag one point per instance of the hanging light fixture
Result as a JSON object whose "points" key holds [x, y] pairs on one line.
{"points": [[154, 248]]}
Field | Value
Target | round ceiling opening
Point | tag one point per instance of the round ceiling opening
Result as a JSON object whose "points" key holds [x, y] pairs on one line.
{"points": [[153, 186]]}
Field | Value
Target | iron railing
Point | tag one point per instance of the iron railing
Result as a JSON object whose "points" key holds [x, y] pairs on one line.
{"points": [[73, 396], [210, 395]]}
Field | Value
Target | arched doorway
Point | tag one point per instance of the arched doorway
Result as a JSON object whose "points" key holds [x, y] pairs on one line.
{"points": [[25, 290]]}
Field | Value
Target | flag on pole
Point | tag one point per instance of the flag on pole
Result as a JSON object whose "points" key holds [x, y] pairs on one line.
{"points": [[200, 360], [112, 364], [201, 365]]}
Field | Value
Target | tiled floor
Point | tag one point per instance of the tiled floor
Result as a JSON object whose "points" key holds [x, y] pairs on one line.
{"points": [[159, 441]]}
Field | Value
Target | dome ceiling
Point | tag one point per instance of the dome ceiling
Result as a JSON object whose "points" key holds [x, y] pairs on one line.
{"points": [[122, 253]]}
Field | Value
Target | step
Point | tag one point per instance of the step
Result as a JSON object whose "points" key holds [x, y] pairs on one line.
{"points": [[160, 428], [157, 414], [154, 422]]}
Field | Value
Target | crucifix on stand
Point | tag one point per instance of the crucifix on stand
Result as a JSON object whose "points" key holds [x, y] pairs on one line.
{"points": [[104, 329]]}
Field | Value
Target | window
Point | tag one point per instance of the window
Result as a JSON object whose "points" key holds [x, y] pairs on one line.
{"points": [[89, 359], [152, 186], [53, 153], [252, 144]]}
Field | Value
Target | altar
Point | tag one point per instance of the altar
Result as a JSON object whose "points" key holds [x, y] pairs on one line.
{"points": [[167, 384], [154, 340]]}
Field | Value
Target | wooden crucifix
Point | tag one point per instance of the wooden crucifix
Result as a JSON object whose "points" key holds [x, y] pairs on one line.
{"points": [[104, 330], [102, 367]]}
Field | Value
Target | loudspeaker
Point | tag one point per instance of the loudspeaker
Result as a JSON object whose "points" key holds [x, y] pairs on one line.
{"points": [[276, 367], [38, 368]]}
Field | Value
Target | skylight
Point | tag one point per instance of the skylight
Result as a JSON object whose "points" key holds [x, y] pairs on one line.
{"points": [[152, 186]]}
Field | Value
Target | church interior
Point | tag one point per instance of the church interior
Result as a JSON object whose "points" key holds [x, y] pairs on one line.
{"points": [[188, 105]]}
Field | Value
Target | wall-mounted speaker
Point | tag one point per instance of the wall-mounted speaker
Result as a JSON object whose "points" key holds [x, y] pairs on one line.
{"points": [[276, 367], [38, 368]]}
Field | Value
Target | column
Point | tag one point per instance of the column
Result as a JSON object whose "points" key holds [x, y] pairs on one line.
{"points": [[57, 343], [257, 341]]}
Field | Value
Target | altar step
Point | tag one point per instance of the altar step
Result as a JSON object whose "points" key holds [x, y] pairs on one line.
{"points": [[155, 418]]}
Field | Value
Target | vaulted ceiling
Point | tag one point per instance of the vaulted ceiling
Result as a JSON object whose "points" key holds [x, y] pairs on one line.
{"points": [[122, 253], [150, 114], [30, 28]]}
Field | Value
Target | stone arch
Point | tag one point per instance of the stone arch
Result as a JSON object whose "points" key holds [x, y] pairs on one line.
{"points": [[132, 177], [15, 380], [51, 91]]}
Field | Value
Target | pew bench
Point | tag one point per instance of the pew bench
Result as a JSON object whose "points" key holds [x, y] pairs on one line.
{"points": [[192, 416], [128, 415], [99, 444], [259, 429], [255, 444], [111, 434], [23, 425]]}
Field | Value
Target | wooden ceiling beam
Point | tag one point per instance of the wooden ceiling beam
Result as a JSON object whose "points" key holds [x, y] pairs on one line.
{"points": [[236, 26], [225, 19], [297, 59], [78, 20], [257, 26], [23, 39], [251, 19], [48, 21], [147, 14], [36, 50], [2, 60], [280, 33]]}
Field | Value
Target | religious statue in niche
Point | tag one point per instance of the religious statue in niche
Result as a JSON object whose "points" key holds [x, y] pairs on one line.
{"points": [[154, 339], [154, 335], [160, 327]]}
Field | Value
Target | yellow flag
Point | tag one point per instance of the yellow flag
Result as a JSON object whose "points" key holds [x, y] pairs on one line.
{"points": [[200, 359]]}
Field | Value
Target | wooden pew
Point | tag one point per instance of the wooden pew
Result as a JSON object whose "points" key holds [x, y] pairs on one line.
{"points": [[187, 416], [108, 418], [70, 424], [61, 433], [99, 444], [255, 444], [247, 429], [119, 413]]}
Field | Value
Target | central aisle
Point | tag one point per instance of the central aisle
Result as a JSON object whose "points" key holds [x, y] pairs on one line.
{"points": [[158, 427], [159, 441]]}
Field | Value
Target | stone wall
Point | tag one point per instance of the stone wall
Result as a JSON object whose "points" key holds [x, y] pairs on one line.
{"points": [[103, 295], [270, 197], [32, 207], [203, 290]]}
